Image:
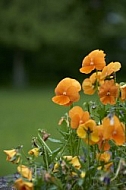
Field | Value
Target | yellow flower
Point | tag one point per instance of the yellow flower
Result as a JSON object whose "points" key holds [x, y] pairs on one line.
{"points": [[25, 171], [74, 161], [23, 185], [34, 151], [104, 157], [12, 155], [88, 132], [82, 175]]}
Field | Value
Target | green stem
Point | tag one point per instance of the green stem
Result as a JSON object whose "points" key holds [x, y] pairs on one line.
{"points": [[45, 145]]}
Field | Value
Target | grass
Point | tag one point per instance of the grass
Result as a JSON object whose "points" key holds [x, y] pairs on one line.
{"points": [[22, 113]]}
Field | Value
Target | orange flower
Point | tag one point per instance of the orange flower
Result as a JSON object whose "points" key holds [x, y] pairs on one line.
{"points": [[114, 130], [25, 171], [23, 185], [88, 132], [67, 92], [103, 144], [108, 92], [78, 116], [94, 60], [110, 69], [123, 92], [103, 157], [89, 84]]}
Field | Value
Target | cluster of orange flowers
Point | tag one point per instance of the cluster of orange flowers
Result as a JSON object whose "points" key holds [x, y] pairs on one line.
{"points": [[103, 80], [100, 132]]}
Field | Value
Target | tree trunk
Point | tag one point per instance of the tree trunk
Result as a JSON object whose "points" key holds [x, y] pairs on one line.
{"points": [[19, 75]]}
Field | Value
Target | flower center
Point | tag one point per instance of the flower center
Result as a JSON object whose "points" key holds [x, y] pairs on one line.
{"points": [[64, 93], [81, 121], [108, 93], [114, 132]]}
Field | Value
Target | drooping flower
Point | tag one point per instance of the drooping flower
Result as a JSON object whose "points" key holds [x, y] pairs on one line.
{"points": [[88, 132], [20, 184], [114, 130], [104, 157], [108, 92], [74, 161], [78, 116], [94, 60], [25, 171], [34, 151], [103, 144], [90, 84], [67, 92], [123, 92], [12, 155], [88, 87], [109, 69]]}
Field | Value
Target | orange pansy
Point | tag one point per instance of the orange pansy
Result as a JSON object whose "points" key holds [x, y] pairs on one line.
{"points": [[78, 116], [89, 85], [123, 92], [94, 60], [67, 92], [23, 185], [108, 92], [103, 144], [110, 69], [103, 157], [114, 130]]}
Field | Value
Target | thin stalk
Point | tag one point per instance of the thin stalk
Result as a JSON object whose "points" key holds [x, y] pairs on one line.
{"points": [[45, 145]]}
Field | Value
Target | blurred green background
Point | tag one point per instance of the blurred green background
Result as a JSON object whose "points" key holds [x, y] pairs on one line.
{"points": [[42, 42]]}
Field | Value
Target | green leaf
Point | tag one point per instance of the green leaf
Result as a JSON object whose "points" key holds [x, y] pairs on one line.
{"points": [[54, 140]]}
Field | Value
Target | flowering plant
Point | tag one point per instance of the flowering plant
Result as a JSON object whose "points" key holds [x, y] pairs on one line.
{"points": [[91, 151]]}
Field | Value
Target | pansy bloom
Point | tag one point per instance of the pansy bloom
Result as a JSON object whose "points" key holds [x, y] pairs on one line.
{"points": [[34, 152], [94, 60], [114, 130], [90, 84], [74, 161], [108, 92], [103, 144], [109, 69], [88, 132], [67, 92], [12, 155], [20, 184], [25, 171], [104, 157], [78, 116]]}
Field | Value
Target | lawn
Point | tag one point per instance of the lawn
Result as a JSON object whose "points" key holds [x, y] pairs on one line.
{"points": [[22, 113]]}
